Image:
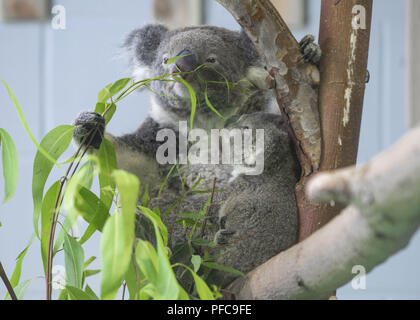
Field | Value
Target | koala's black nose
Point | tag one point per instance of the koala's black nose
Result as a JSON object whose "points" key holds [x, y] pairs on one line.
{"points": [[187, 63]]}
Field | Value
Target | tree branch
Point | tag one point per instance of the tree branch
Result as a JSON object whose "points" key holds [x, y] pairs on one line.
{"points": [[7, 283], [381, 217], [294, 79], [343, 76]]}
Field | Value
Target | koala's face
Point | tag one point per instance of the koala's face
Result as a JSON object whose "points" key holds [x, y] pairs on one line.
{"points": [[209, 56]]}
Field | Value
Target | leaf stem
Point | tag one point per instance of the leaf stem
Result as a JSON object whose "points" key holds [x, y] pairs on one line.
{"points": [[58, 202]]}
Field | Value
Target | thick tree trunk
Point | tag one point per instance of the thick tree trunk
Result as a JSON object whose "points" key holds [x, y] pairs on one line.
{"points": [[344, 40]]}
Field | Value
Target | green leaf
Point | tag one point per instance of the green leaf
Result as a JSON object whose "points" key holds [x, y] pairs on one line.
{"points": [[47, 211], [73, 202], [88, 262], [78, 294], [104, 94], [21, 288], [147, 260], [110, 109], [132, 279], [14, 279], [65, 228], [146, 198], [91, 208], [116, 247], [118, 86], [89, 273], [189, 222], [166, 179], [208, 103], [166, 285], [73, 259], [112, 89], [25, 124], [107, 164], [90, 292], [118, 235], [155, 218], [193, 98], [55, 143], [196, 261], [214, 265], [192, 215], [203, 242], [91, 229], [88, 170], [175, 59], [64, 295], [202, 288], [10, 164]]}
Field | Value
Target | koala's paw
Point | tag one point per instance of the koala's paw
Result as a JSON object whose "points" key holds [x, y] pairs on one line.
{"points": [[223, 236], [90, 127], [311, 51]]}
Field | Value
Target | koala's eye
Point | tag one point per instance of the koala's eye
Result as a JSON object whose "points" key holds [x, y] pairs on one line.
{"points": [[211, 60], [165, 60]]}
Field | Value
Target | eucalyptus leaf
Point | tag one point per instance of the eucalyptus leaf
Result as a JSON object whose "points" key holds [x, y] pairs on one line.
{"points": [[25, 124], [147, 260], [21, 288], [73, 259], [166, 285], [107, 164], [193, 98], [78, 294], [118, 86], [54, 143], [214, 265], [10, 164], [15, 278], [47, 211], [196, 262], [118, 235]]}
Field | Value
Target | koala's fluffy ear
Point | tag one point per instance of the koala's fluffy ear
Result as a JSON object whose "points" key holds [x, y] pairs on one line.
{"points": [[141, 45]]}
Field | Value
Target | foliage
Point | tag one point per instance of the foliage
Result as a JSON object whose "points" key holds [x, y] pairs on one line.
{"points": [[129, 262]]}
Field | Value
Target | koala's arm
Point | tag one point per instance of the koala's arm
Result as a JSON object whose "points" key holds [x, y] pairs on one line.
{"points": [[135, 152]]}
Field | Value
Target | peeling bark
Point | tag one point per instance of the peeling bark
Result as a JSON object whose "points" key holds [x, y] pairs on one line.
{"points": [[381, 217], [343, 70]]}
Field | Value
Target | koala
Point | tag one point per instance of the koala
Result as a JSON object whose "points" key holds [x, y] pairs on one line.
{"points": [[221, 54], [256, 215]]}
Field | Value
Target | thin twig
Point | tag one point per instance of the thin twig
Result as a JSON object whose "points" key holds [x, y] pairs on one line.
{"points": [[58, 202], [7, 283]]}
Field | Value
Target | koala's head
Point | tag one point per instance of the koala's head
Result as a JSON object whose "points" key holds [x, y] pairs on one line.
{"points": [[207, 55]]}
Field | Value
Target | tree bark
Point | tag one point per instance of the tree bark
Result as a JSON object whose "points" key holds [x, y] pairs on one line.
{"points": [[344, 41], [343, 77], [382, 216], [295, 84]]}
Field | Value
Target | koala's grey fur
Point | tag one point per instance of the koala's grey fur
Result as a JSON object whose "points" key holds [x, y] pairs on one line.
{"points": [[256, 217]]}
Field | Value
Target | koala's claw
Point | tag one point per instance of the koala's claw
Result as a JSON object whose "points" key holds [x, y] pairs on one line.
{"points": [[222, 236], [311, 51], [90, 127]]}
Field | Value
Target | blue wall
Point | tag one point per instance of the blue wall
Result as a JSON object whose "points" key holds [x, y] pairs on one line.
{"points": [[57, 73]]}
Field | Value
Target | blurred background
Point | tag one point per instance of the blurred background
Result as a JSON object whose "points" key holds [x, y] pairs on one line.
{"points": [[56, 72]]}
